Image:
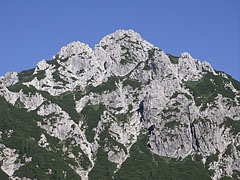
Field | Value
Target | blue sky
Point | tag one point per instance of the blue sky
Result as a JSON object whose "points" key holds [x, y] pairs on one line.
{"points": [[34, 30]]}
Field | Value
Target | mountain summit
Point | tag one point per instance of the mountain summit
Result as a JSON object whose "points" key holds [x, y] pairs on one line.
{"points": [[123, 110]]}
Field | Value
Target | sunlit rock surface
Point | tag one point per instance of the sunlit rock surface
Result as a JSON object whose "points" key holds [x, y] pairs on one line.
{"points": [[93, 105]]}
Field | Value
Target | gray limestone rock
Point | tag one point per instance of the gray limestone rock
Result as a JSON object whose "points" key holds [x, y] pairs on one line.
{"points": [[143, 93]]}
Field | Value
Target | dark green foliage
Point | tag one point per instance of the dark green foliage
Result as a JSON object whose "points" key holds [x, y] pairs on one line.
{"points": [[121, 117], [74, 79], [56, 75], [228, 151], [236, 175], [226, 178], [57, 87], [19, 104], [127, 56], [234, 82], [57, 78], [85, 162], [168, 116], [40, 75], [80, 71], [105, 47], [65, 101], [44, 160], [110, 141], [65, 59], [117, 109], [143, 165], [151, 53], [146, 65], [203, 121], [207, 88], [150, 57], [25, 137], [109, 85], [103, 169], [177, 103], [168, 113], [133, 83], [130, 107], [26, 76], [173, 59], [233, 124], [78, 95], [176, 93], [19, 86], [209, 160], [3, 175], [54, 62], [125, 61], [92, 114], [198, 157], [172, 124]]}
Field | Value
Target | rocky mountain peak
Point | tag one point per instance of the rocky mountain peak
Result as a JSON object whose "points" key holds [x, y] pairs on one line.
{"points": [[185, 55], [123, 38], [120, 35], [125, 106], [74, 48]]}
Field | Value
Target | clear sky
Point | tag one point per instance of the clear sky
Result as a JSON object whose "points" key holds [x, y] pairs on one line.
{"points": [[34, 30]]}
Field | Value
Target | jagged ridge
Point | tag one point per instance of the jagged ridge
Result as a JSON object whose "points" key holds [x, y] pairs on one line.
{"points": [[106, 106]]}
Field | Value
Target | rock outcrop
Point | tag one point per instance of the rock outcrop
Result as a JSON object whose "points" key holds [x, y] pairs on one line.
{"points": [[94, 107]]}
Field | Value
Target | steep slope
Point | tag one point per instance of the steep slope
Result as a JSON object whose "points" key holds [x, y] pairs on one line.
{"points": [[125, 110]]}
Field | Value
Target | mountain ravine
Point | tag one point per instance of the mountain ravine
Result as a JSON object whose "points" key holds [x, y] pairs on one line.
{"points": [[124, 111]]}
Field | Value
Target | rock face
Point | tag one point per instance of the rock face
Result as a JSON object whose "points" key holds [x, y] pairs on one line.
{"points": [[124, 110]]}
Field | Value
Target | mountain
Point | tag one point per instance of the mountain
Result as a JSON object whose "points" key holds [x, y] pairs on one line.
{"points": [[125, 110]]}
